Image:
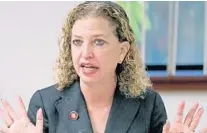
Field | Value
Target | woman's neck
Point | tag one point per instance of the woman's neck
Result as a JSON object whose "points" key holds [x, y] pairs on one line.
{"points": [[99, 94]]}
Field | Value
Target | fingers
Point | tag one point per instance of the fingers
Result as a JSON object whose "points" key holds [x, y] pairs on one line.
{"points": [[5, 117], [190, 123], [191, 114], [166, 128], [23, 111], [39, 120], [9, 109], [9, 116], [196, 119], [179, 116]]}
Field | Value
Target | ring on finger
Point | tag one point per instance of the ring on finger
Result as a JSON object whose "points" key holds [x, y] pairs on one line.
{"points": [[193, 130], [8, 126]]}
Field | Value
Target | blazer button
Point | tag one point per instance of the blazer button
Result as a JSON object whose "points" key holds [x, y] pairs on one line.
{"points": [[73, 115]]}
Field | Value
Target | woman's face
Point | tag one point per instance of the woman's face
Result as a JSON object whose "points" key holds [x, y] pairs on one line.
{"points": [[95, 49]]}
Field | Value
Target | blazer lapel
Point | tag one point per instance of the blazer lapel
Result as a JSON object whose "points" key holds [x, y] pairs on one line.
{"points": [[70, 105], [122, 113]]}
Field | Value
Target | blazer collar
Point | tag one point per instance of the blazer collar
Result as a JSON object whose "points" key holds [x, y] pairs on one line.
{"points": [[122, 113], [72, 100]]}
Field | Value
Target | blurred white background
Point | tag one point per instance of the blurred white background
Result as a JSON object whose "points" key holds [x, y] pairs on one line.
{"points": [[28, 48]]}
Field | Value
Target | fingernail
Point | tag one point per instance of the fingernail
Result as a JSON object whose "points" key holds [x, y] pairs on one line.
{"points": [[40, 111], [198, 102], [182, 102]]}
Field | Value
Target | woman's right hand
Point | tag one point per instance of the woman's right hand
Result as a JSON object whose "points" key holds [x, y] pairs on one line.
{"points": [[19, 122], [190, 122]]}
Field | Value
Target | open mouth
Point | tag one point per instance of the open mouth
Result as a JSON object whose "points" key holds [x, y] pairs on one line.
{"points": [[89, 69], [89, 66]]}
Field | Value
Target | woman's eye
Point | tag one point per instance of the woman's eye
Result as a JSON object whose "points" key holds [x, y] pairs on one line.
{"points": [[77, 42], [99, 42]]}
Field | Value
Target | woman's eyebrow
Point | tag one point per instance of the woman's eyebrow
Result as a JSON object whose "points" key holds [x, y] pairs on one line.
{"points": [[98, 35], [77, 36], [94, 35]]}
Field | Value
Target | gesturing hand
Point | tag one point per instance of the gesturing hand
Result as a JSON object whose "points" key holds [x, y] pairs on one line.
{"points": [[189, 124], [19, 122]]}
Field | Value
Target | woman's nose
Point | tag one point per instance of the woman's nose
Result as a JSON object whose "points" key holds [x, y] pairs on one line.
{"points": [[87, 52]]}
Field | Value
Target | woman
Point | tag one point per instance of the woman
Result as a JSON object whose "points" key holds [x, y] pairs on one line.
{"points": [[102, 85]]}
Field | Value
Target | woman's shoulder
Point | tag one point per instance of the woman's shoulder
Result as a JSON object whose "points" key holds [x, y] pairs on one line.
{"points": [[48, 91], [45, 96], [48, 96], [152, 98], [150, 94]]}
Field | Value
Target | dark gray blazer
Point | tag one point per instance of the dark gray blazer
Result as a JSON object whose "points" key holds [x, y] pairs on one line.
{"points": [[127, 115]]}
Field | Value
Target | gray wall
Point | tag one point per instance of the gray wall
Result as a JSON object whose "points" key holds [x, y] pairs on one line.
{"points": [[28, 48]]}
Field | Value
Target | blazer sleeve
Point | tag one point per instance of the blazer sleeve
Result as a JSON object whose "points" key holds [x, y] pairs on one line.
{"points": [[159, 115], [36, 102]]}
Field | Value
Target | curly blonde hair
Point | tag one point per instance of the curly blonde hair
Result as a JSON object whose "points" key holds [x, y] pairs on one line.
{"points": [[132, 77]]}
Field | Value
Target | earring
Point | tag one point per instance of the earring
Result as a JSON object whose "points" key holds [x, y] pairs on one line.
{"points": [[119, 68]]}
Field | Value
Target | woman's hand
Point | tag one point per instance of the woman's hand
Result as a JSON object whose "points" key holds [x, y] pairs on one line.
{"points": [[19, 122], [189, 124]]}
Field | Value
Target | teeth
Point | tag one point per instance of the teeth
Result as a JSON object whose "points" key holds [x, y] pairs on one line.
{"points": [[89, 66]]}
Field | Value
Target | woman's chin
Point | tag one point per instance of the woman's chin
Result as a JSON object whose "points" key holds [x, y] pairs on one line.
{"points": [[89, 77]]}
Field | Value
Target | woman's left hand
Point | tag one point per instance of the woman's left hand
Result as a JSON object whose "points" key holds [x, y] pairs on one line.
{"points": [[189, 124]]}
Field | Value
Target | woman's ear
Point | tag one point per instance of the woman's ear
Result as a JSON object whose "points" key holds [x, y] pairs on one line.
{"points": [[125, 46]]}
